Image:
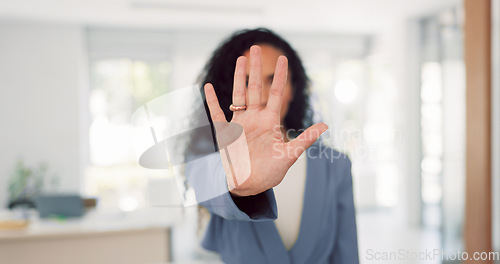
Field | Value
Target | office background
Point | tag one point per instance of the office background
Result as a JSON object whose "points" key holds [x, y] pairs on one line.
{"points": [[387, 76]]}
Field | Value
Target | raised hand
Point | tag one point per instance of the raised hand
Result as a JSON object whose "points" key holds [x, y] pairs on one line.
{"points": [[260, 158]]}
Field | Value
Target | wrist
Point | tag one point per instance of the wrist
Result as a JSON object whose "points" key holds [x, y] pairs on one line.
{"points": [[241, 192]]}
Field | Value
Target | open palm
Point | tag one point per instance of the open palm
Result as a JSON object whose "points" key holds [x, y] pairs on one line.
{"points": [[260, 158]]}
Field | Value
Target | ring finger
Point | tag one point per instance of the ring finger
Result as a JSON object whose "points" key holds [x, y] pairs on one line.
{"points": [[239, 87]]}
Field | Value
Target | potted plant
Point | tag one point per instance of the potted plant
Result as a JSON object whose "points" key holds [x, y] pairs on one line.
{"points": [[27, 183]]}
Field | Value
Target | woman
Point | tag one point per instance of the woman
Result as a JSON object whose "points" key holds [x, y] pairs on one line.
{"points": [[286, 200]]}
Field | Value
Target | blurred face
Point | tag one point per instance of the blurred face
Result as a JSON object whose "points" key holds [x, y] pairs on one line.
{"points": [[269, 58]]}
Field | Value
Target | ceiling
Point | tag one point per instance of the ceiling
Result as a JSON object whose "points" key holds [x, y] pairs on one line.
{"points": [[339, 16]]}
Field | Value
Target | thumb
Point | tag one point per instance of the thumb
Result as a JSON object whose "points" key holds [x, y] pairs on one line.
{"points": [[306, 139]]}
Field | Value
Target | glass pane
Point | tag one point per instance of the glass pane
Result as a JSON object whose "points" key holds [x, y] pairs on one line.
{"points": [[443, 126], [118, 88], [357, 99]]}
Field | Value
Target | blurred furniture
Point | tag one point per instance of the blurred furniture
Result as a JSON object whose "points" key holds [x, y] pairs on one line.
{"points": [[70, 205], [137, 237]]}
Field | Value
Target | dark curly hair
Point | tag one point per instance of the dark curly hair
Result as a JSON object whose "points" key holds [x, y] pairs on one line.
{"points": [[219, 71]]}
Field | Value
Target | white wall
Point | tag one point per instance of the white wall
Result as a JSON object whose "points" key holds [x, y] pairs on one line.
{"points": [[42, 82]]}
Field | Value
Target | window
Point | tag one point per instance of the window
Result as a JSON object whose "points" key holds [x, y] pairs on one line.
{"points": [[443, 125], [123, 76], [356, 96]]}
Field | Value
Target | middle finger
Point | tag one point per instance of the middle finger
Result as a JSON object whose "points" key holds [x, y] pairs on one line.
{"points": [[255, 78]]}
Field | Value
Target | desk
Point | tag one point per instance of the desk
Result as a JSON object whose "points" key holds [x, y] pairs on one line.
{"points": [[139, 237]]}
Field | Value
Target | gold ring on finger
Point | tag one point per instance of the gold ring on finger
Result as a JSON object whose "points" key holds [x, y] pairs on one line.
{"points": [[237, 108]]}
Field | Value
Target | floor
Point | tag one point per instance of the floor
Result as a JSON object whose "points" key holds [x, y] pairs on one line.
{"points": [[384, 238]]}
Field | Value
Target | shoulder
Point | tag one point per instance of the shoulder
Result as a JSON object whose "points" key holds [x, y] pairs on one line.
{"points": [[328, 155], [334, 163]]}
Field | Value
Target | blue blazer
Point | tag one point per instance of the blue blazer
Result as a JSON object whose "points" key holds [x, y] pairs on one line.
{"points": [[242, 230]]}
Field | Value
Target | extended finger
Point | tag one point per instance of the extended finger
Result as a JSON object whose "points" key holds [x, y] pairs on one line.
{"points": [[239, 86], [213, 104], [306, 139], [278, 86], [255, 78]]}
